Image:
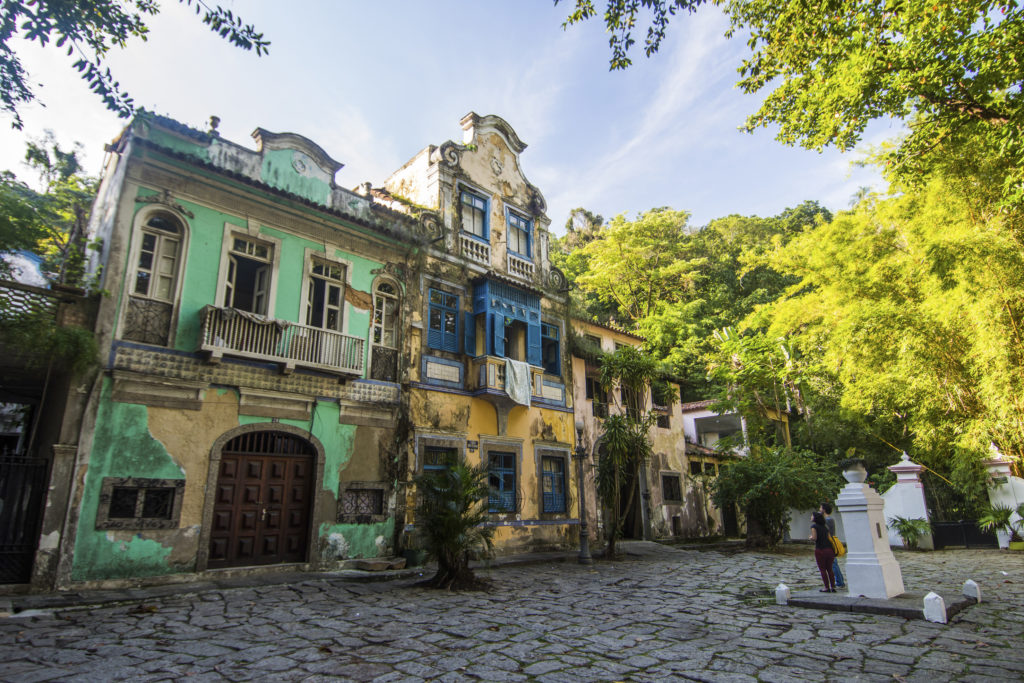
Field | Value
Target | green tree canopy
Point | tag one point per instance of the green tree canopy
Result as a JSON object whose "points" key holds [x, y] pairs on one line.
{"points": [[87, 30], [52, 222]]}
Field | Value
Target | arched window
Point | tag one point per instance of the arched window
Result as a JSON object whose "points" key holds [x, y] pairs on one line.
{"points": [[156, 270], [384, 336], [154, 284]]}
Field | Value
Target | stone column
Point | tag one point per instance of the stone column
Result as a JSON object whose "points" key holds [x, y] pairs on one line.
{"points": [[906, 499], [871, 569], [1004, 489], [44, 570]]}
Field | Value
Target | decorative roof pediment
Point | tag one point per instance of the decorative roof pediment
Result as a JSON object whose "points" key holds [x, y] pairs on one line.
{"points": [[266, 141], [476, 126]]}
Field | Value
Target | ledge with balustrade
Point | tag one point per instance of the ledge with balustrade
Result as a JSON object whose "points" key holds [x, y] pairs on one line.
{"points": [[487, 375], [475, 250], [230, 332]]}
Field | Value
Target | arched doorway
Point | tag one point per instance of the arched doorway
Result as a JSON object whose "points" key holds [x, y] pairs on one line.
{"points": [[263, 500]]}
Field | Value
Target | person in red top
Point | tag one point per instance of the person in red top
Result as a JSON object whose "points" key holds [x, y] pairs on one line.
{"points": [[823, 553]]}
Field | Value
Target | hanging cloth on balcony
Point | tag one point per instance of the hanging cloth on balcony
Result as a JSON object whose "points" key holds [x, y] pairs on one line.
{"points": [[232, 313], [517, 381]]}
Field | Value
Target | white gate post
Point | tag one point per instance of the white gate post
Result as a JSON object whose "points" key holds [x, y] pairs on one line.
{"points": [[906, 499], [871, 569], [1004, 488]]}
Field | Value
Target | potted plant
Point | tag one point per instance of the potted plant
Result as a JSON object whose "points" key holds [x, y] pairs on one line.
{"points": [[910, 530], [1000, 518]]}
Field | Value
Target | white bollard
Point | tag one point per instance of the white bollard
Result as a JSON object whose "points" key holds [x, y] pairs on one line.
{"points": [[972, 590], [935, 608], [782, 594]]}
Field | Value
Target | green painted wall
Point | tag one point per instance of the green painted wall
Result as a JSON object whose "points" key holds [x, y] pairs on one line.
{"points": [[277, 171], [202, 272], [354, 540], [122, 447]]}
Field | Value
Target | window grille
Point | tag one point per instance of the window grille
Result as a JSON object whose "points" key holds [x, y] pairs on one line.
{"points": [[363, 502]]}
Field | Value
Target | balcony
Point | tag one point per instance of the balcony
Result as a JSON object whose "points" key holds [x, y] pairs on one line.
{"points": [[487, 374], [475, 250], [226, 331], [520, 267]]}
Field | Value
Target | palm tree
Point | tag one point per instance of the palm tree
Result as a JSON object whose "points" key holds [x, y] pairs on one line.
{"points": [[451, 512], [624, 445]]}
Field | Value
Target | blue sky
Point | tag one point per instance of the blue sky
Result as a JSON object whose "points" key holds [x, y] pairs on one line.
{"points": [[374, 82]]}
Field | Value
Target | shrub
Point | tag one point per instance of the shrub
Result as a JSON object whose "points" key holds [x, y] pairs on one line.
{"points": [[769, 482]]}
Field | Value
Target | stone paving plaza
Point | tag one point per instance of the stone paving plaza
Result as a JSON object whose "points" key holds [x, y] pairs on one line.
{"points": [[669, 614]]}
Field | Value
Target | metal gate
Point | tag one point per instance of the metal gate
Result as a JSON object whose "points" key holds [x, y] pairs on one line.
{"points": [[954, 515], [962, 533], [23, 486]]}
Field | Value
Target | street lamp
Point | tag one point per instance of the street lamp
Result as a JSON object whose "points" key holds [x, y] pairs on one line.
{"points": [[581, 455]]}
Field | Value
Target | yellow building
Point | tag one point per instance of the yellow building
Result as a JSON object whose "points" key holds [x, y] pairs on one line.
{"points": [[674, 501], [487, 327]]}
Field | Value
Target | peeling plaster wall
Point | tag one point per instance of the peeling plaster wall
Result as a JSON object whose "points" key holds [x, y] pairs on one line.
{"points": [[124, 447], [201, 275], [136, 441], [475, 419], [697, 516]]}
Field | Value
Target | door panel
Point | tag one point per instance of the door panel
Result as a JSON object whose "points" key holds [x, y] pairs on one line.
{"points": [[262, 505]]}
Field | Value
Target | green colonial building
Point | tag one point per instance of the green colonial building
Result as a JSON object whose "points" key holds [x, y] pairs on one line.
{"points": [[251, 343]]}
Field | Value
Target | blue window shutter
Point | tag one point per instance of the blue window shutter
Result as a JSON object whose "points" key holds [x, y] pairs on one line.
{"points": [[533, 356], [498, 333], [433, 336], [470, 335], [451, 340]]}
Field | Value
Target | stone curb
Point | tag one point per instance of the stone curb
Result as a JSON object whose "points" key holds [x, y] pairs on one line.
{"points": [[909, 605]]}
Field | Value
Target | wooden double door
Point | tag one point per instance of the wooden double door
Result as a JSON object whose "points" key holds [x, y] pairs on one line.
{"points": [[263, 501]]}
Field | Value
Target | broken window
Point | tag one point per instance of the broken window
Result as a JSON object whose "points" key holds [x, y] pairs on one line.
{"points": [[671, 488], [326, 296], [248, 275]]}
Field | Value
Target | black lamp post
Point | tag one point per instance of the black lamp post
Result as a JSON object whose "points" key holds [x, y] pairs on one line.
{"points": [[581, 455]]}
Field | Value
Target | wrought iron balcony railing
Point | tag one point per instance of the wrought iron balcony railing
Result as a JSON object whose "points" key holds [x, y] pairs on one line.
{"points": [[226, 331]]}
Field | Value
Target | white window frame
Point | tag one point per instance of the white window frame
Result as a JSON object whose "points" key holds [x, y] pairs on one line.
{"points": [[138, 227], [307, 282], [398, 311], [251, 232]]}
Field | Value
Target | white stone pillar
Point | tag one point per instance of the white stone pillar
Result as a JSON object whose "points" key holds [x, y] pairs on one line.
{"points": [[906, 499], [871, 569], [1004, 488]]}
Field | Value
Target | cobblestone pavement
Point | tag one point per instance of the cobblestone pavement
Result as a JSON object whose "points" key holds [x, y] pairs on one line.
{"points": [[671, 614]]}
